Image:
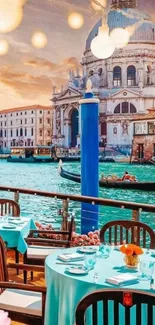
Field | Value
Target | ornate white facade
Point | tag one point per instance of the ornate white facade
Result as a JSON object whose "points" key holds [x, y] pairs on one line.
{"points": [[124, 83]]}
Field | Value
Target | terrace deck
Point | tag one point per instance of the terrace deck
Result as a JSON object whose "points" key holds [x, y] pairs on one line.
{"points": [[38, 278]]}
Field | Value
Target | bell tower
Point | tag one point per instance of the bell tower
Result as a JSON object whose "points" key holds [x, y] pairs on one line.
{"points": [[120, 4]]}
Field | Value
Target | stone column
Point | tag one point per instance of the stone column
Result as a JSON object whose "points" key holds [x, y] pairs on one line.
{"points": [[62, 121], [54, 122], [124, 75]]}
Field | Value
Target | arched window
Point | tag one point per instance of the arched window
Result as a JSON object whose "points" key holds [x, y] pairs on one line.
{"points": [[100, 70], [21, 132], [132, 109], [148, 71], [117, 109], [131, 75], [117, 76], [125, 108]]}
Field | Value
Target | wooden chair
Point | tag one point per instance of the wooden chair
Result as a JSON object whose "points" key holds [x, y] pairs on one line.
{"points": [[24, 303], [119, 298], [9, 207], [122, 231], [39, 248]]}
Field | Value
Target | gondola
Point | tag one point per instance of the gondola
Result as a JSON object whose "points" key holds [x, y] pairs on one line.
{"points": [[143, 186]]}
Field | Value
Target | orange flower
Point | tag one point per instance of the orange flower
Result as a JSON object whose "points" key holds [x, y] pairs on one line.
{"points": [[132, 246], [138, 250], [123, 249], [129, 251]]}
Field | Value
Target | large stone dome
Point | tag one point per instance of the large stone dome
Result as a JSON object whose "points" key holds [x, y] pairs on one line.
{"points": [[127, 17]]}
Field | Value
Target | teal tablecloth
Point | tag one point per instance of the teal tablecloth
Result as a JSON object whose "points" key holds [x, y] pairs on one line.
{"points": [[65, 291], [15, 237]]}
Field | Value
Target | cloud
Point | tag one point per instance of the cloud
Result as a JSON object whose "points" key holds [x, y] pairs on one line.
{"points": [[54, 70], [26, 85]]}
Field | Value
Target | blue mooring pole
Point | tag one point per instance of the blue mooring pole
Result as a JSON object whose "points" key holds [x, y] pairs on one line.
{"points": [[89, 158]]}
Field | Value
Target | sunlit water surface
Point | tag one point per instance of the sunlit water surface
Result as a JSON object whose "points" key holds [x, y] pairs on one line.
{"points": [[45, 177]]}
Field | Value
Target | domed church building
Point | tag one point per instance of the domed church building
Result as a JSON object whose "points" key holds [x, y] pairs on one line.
{"points": [[124, 83]]}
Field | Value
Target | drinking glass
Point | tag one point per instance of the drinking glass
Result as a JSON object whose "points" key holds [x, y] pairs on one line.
{"points": [[147, 270], [90, 260], [104, 251]]}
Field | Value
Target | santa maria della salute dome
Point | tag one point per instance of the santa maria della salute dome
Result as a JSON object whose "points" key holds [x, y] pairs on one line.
{"points": [[124, 83], [127, 18]]}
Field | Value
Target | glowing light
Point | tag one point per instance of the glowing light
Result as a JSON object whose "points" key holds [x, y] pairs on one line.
{"points": [[11, 14], [75, 20], [102, 46], [120, 37], [39, 40], [4, 47], [98, 5]]}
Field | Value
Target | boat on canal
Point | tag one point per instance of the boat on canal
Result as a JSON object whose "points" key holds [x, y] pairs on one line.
{"points": [[41, 154], [108, 182]]}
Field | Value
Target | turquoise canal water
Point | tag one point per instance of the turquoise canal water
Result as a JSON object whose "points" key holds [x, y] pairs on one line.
{"points": [[45, 177]]}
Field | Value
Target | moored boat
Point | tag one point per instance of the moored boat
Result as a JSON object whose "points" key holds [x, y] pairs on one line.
{"points": [[110, 183]]}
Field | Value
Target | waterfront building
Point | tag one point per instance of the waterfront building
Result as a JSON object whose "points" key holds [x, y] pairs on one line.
{"points": [[124, 83], [25, 126], [144, 137]]}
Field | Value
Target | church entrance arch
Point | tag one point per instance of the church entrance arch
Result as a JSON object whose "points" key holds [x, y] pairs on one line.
{"points": [[74, 116]]}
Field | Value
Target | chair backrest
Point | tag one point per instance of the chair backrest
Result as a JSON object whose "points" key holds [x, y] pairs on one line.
{"points": [[3, 263], [58, 238], [112, 304], [9, 207], [122, 231]]}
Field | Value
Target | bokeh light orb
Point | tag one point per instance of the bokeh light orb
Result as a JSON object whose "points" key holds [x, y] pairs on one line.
{"points": [[11, 15], [4, 47], [96, 6], [75, 20], [120, 37], [39, 40], [102, 46]]}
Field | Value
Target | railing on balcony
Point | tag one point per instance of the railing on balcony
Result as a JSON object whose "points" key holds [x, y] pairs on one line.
{"points": [[61, 206]]}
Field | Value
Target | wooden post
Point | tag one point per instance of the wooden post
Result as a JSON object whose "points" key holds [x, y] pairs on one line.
{"points": [[16, 197], [65, 215], [135, 217]]}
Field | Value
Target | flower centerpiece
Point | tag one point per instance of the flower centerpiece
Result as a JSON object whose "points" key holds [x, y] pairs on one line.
{"points": [[132, 253]]}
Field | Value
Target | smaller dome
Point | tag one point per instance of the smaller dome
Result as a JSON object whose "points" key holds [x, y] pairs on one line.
{"points": [[126, 18]]}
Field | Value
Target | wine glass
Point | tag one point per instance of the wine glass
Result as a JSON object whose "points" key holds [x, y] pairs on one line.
{"points": [[104, 250], [147, 270], [90, 260]]}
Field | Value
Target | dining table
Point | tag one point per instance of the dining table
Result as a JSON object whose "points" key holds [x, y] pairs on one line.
{"points": [[14, 230], [64, 290]]}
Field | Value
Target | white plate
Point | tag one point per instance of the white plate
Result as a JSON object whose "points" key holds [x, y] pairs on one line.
{"points": [[77, 270], [88, 250], [9, 227]]}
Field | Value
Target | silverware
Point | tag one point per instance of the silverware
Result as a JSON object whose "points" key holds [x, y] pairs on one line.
{"points": [[72, 264]]}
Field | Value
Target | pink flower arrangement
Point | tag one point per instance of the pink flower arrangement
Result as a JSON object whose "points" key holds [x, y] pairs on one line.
{"points": [[92, 238], [86, 240]]}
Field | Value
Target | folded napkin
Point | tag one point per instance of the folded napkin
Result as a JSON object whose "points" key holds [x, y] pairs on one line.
{"points": [[70, 257], [122, 279]]}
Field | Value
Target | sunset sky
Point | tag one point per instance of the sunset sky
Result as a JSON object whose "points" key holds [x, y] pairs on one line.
{"points": [[27, 74]]}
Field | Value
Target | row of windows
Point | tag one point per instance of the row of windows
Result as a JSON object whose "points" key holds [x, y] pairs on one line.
{"points": [[27, 143], [22, 113], [25, 122], [131, 76], [22, 132]]}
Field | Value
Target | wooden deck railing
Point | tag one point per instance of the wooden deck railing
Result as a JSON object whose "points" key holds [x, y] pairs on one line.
{"points": [[135, 207]]}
